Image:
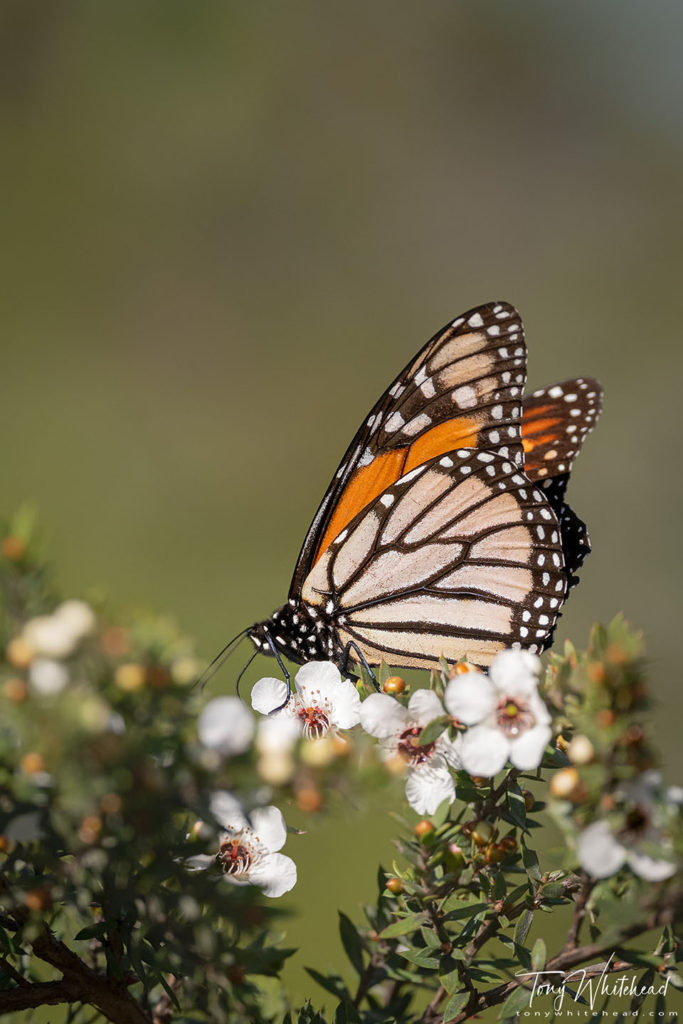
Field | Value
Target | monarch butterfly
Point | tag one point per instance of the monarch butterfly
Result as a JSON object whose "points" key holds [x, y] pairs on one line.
{"points": [[444, 532]]}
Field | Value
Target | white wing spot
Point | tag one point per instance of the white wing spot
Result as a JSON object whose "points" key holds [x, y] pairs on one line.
{"points": [[395, 422], [465, 397], [475, 320]]}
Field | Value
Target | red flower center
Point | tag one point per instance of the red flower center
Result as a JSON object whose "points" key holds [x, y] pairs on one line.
{"points": [[314, 721], [410, 748], [513, 716], [234, 858]]}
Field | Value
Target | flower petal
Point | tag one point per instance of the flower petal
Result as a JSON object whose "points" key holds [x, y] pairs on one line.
{"points": [[647, 867], [269, 695], [47, 677], [227, 811], [227, 725], [600, 854], [275, 874], [484, 751], [470, 697], [515, 672], [450, 749], [277, 734], [318, 680], [427, 786], [346, 705], [424, 706], [200, 861], [526, 750], [269, 826], [382, 716], [539, 709]]}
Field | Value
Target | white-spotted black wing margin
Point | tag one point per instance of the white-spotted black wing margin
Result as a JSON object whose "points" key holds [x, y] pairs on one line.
{"points": [[459, 558]]}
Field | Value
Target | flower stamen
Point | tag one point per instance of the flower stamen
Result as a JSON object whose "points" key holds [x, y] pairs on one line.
{"points": [[314, 721], [411, 749], [513, 716], [234, 857]]}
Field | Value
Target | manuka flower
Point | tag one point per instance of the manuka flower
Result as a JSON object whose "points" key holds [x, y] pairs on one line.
{"points": [[323, 701], [602, 850], [226, 725], [508, 718], [398, 728], [248, 848]]}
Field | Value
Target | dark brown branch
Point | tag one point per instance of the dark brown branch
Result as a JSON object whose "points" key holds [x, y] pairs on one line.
{"points": [[79, 983], [579, 912]]}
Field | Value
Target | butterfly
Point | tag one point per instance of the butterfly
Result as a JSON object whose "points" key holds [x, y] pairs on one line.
{"points": [[444, 532]]}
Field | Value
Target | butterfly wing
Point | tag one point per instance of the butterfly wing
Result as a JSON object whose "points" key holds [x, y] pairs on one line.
{"points": [[556, 421], [461, 557], [462, 390]]}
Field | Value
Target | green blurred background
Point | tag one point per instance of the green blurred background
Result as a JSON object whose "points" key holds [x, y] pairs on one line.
{"points": [[227, 225]]}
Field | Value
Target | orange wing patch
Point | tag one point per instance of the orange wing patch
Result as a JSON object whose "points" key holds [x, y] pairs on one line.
{"points": [[367, 482], [460, 432], [539, 431]]}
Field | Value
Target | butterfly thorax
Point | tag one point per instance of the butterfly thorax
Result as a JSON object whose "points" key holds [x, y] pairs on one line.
{"points": [[299, 633]]}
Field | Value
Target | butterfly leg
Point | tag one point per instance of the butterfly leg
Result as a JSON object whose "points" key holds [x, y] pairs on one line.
{"points": [[276, 653], [344, 662]]}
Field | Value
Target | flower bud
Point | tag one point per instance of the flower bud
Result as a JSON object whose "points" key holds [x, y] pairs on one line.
{"points": [[424, 830], [529, 799], [494, 853], [482, 833], [130, 677], [580, 750], [32, 763], [309, 798], [15, 690], [455, 858], [13, 548], [394, 885], [394, 685], [19, 653], [566, 785], [508, 843]]}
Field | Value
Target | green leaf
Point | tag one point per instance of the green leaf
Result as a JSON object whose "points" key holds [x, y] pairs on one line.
{"points": [[522, 927], [530, 861], [554, 891], [421, 958], [517, 1001], [460, 909], [516, 805], [451, 981], [351, 941], [431, 732], [539, 955], [331, 983], [455, 1005], [404, 925]]}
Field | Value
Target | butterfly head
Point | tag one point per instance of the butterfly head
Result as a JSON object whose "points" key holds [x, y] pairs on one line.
{"points": [[297, 632]]}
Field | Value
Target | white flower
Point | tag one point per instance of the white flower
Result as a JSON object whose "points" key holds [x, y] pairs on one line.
{"points": [[429, 781], [47, 677], [59, 634], [226, 725], [602, 851], [509, 719], [323, 701], [248, 851], [276, 738]]}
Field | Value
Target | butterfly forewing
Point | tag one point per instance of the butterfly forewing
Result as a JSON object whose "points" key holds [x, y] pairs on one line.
{"points": [[461, 557], [462, 390]]}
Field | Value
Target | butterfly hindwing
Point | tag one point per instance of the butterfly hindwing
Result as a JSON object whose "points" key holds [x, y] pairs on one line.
{"points": [[556, 422], [463, 389], [461, 557]]}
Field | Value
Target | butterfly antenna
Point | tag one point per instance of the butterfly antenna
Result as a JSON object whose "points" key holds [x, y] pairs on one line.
{"points": [[239, 678], [211, 669]]}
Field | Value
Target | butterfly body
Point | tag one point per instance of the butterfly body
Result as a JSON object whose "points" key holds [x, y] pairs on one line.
{"points": [[445, 531]]}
